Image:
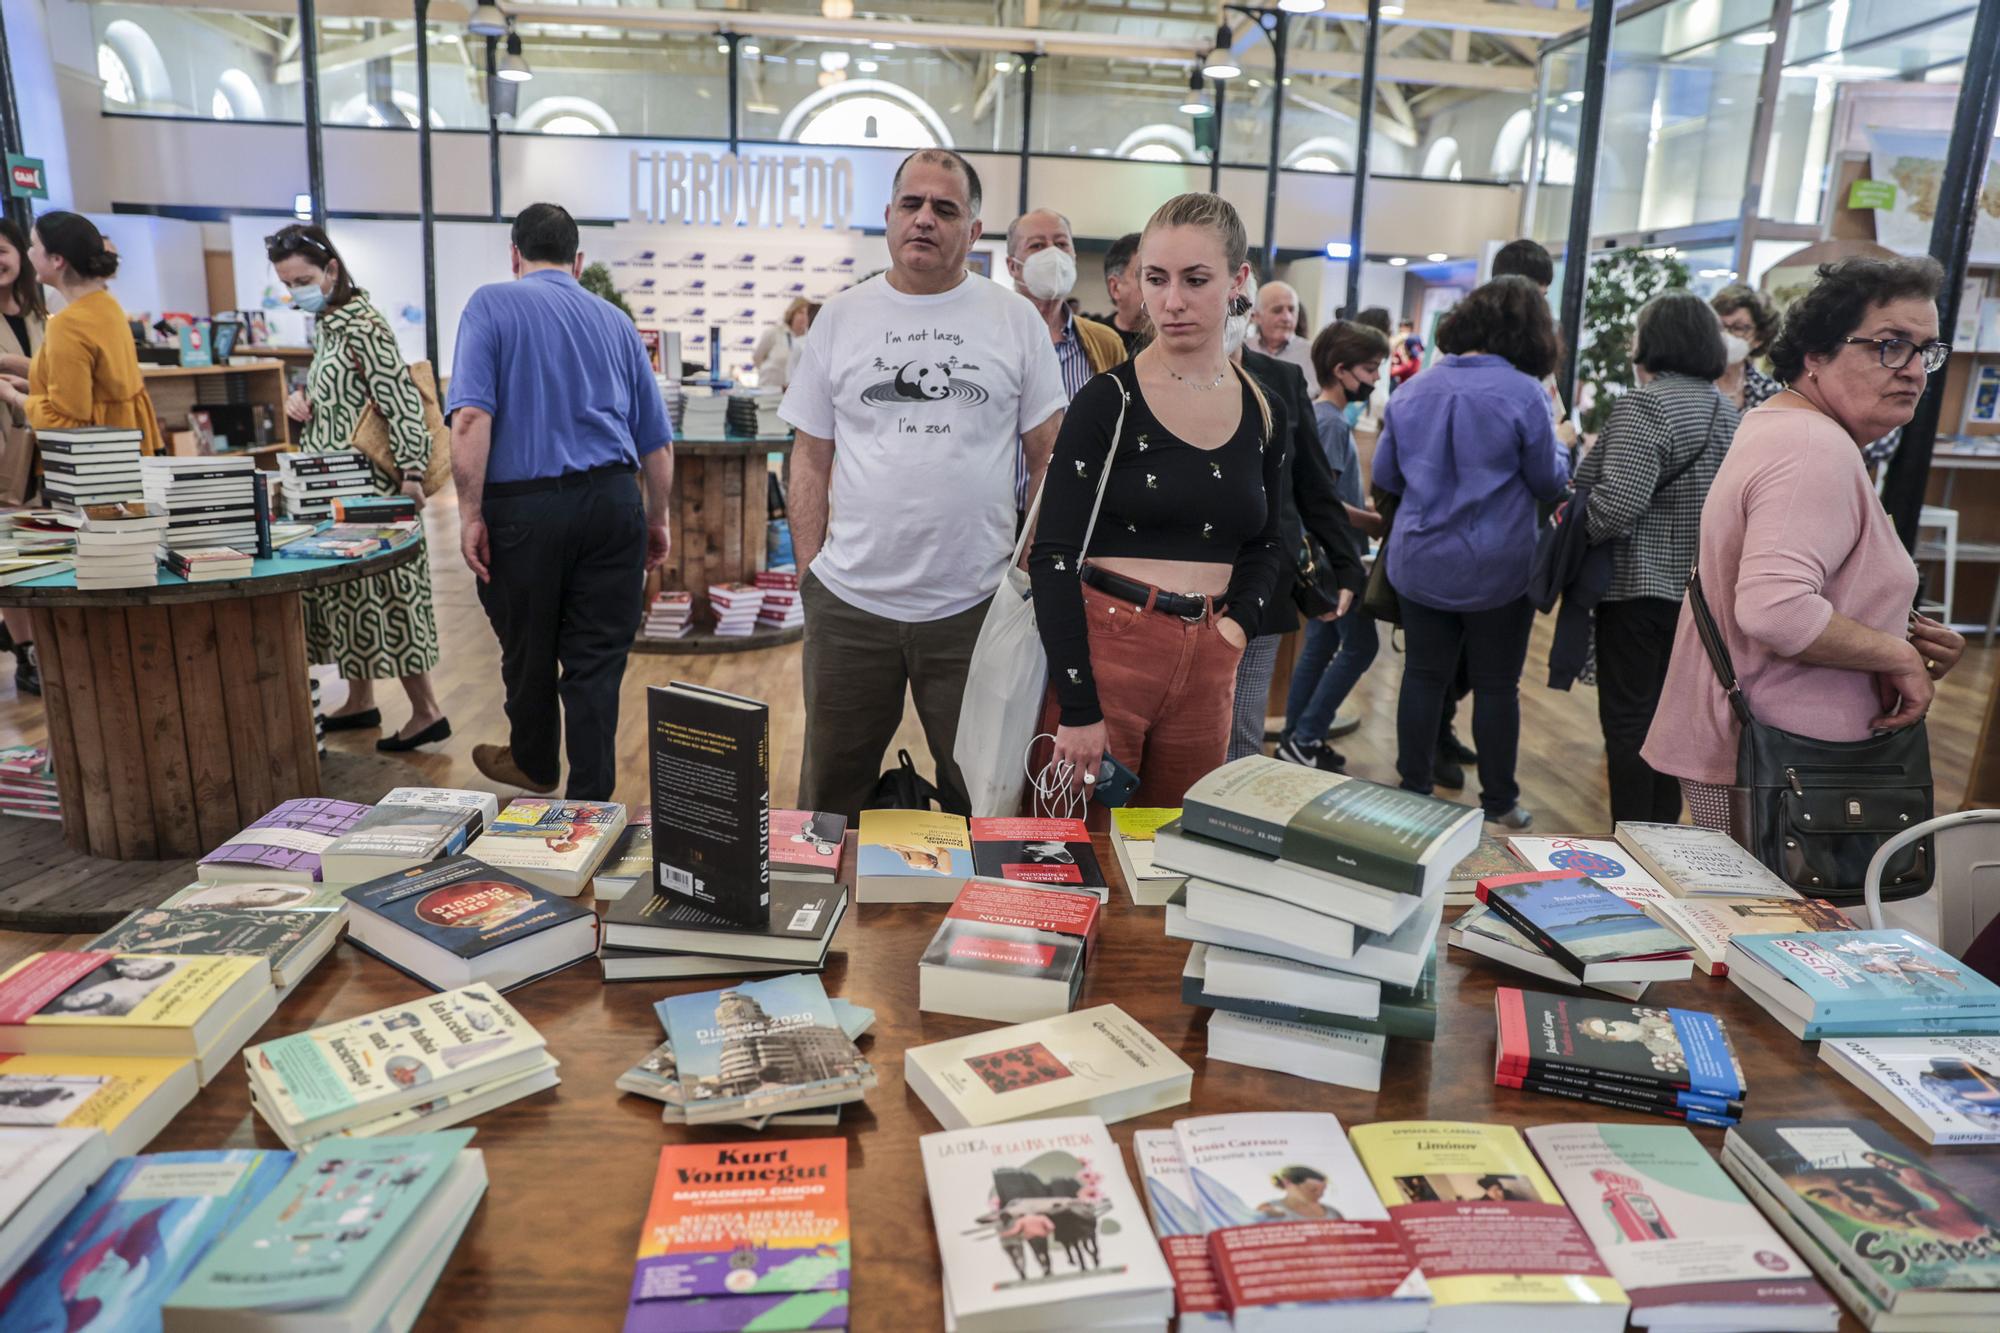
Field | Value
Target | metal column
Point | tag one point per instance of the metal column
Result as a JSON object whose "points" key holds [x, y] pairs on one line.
{"points": [[1363, 132], [1221, 125], [493, 124], [1027, 122], [735, 108], [10, 131], [1760, 136], [424, 211], [1576, 256], [309, 93], [1278, 29], [1951, 243]]}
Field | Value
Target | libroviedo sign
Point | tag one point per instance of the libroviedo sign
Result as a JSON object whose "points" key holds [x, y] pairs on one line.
{"points": [[700, 189]]}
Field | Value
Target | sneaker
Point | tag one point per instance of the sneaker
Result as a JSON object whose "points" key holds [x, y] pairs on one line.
{"points": [[1446, 771], [27, 670], [1516, 820], [1322, 757], [1451, 747], [497, 763]]}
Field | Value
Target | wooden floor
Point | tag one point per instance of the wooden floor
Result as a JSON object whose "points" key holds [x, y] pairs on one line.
{"points": [[1562, 752]]}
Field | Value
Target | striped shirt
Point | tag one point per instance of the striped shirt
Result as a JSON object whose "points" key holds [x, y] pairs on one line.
{"points": [[1676, 424], [1075, 374]]}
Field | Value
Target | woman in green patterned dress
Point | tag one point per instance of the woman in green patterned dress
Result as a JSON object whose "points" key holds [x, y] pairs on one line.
{"points": [[380, 626]]}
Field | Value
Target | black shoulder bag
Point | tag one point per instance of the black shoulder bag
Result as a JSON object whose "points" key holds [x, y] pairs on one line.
{"points": [[1816, 811]]}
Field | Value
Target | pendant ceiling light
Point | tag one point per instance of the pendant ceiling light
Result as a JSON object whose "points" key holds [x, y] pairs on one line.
{"points": [[487, 20], [1221, 64]]}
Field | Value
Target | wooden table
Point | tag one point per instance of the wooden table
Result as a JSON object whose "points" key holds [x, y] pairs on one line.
{"points": [[552, 1245], [179, 713], [720, 524]]}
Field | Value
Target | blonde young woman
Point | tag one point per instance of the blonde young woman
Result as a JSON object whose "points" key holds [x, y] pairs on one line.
{"points": [[1144, 628]]}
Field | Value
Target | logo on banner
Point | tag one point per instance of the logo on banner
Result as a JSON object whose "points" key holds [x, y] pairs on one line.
{"points": [[700, 189]]}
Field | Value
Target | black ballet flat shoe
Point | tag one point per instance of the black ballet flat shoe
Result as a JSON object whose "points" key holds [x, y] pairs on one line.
{"points": [[364, 720], [439, 730]]}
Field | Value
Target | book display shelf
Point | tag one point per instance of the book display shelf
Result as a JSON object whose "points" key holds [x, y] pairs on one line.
{"points": [[721, 526]]}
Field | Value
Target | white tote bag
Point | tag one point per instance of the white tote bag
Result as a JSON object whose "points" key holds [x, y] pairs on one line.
{"points": [[1008, 678]]}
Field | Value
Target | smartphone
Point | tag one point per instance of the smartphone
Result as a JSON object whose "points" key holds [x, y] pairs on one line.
{"points": [[1115, 783]]}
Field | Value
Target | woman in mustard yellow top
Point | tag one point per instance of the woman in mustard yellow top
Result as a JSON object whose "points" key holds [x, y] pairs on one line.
{"points": [[87, 370]]}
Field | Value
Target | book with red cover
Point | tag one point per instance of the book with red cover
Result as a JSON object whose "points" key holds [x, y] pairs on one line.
{"points": [[1009, 952], [805, 845], [1037, 851]]}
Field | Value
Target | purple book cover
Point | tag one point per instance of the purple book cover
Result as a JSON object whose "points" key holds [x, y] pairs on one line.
{"points": [[291, 836], [732, 1314]]}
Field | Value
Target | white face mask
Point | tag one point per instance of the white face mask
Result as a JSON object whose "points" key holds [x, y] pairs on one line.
{"points": [[1734, 347], [1049, 274]]}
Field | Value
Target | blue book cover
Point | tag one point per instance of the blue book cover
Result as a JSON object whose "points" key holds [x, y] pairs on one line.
{"points": [[761, 1047], [463, 905], [123, 1250], [332, 1217], [1885, 980], [1578, 921]]}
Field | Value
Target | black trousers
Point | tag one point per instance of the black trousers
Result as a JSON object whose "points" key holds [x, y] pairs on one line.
{"points": [[1635, 639], [565, 599], [1493, 646]]}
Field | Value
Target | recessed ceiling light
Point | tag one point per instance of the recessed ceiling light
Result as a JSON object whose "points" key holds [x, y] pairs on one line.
{"points": [[1339, 250], [1391, 11], [1397, 261], [1437, 258], [1756, 38]]}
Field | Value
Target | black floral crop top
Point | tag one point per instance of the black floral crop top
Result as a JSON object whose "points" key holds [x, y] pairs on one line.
{"points": [[1166, 500]]}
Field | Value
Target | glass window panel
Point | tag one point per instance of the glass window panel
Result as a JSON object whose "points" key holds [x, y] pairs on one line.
{"points": [[153, 59], [662, 85], [850, 93], [1093, 107], [1555, 147]]}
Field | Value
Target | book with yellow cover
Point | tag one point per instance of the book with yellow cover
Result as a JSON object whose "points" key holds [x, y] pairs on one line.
{"points": [[911, 856], [161, 1005], [1466, 1193], [130, 1099]]}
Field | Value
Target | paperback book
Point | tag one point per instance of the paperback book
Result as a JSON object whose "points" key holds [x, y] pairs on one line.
{"points": [[762, 1047], [1708, 924], [1593, 933], [709, 756], [283, 846], [1680, 1056], [1303, 1050], [1037, 851], [43, 1173], [1603, 860], [630, 862], [459, 921], [150, 1005], [1132, 830], [1699, 863], [1863, 983], [291, 939], [392, 838], [803, 919], [1333, 897], [1096, 1061], [1688, 1248], [1177, 1222], [1400, 1011], [1009, 953], [805, 845], [1945, 1090], [658, 1075], [129, 1099], [1488, 859], [1485, 932], [911, 856], [1038, 1227], [556, 845]]}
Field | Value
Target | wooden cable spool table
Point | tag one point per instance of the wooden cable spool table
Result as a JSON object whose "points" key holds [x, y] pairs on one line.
{"points": [[720, 522], [180, 712]]}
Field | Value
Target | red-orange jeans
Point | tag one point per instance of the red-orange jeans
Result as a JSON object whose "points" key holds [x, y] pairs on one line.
{"points": [[1166, 687]]}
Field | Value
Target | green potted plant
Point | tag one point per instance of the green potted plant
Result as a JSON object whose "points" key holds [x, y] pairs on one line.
{"points": [[1619, 284], [596, 279]]}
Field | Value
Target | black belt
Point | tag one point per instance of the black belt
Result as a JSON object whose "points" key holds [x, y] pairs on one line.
{"points": [[1186, 605], [567, 481]]}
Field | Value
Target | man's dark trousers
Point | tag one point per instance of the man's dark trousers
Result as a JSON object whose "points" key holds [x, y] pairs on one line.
{"points": [[568, 559]]}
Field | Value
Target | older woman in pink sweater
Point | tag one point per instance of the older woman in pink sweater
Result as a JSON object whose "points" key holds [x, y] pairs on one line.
{"points": [[1799, 561]]}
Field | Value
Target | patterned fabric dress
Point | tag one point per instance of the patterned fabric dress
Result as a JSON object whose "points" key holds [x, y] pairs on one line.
{"points": [[381, 626]]}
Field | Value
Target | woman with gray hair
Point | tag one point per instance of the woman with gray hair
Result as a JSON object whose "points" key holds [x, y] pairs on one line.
{"points": [[1648, 476]]}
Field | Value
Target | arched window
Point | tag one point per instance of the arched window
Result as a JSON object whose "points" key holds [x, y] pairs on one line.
{"points": [[130, 67], [117, 79], [1510, 147], [236, 97], [1441, 160], [358, 110], [868, 112], [1157, 143], [1323, 152], [566, 115]]}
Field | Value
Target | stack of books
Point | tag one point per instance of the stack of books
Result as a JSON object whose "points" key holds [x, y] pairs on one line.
{"points": [[1677, 1063], [704, 414], [209, 501], [1863, 983], [659, 1077], [1699, 863], [782, 608], [154, 1006], [1709, 923], [87, 465], [1589, 934], [730, 1247], [290, 925], [1277, 1226], [284, 846], [662, 934], [709, 754], [1132, 830], [670, 616], [116, 545], [1098, 1061], [43, 1173], [557, 845], [375, 509], [1317, 895], [308, 484], [1905, 1246], [458, 922], [408, 827], [806, 844], [131, 1100], [350, 541], [740, 416], [1692, 1252], [736, 607], [28, 783], [365, 1230], [426, 1064], [206, 564], [1009, 953], [762, 1048], [1943, 1089], [1038, 1227]]}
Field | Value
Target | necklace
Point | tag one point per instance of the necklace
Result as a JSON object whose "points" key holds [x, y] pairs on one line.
{"points": [[1198, 387]]}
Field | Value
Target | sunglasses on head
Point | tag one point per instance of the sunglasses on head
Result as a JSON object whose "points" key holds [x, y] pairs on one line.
{"points": [[293, 236]]}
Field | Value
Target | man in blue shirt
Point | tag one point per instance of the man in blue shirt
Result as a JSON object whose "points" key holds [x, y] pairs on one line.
{"points": [[554, 410]]}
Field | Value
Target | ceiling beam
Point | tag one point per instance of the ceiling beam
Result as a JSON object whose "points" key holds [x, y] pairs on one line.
{"points": [[1396, 38], [1471, 15], [1399, 69], [387, 45]]}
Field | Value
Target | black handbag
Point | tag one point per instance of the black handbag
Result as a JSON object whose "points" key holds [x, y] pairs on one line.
{"points": [[903, 788], [1315, 591], [1815, 811], [1378, 597]]}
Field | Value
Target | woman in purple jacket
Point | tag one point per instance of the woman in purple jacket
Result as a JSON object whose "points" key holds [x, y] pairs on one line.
{"points": [[1470, 446]]}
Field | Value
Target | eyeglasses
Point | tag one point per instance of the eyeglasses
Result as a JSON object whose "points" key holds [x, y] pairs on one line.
{"points": [[1896, 352]]}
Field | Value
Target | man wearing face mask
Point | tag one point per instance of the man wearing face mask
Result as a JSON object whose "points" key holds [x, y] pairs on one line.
{"points": [[1041, 258]]}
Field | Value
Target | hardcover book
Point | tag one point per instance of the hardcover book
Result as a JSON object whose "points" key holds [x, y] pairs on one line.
{"points": [[1294, 1228], [1945, 1090], [630, 863], [1096, 1061], [1708, 924], [120, 1253], [1917, 1242], [911, 856], [293, 939], [1485, 932], [805, 845], [390, 838], [130, 1099], [1682, 1054], [1606, 862], [1392, 839], [557, 845], [355, 1222], [460, 921], [328, 1078], [1183, 1236], [1038, 1226], [709, 756], [1698, 862], [1677, 1234], [1864, 983], [762, 1047], [756, 1229], [1516, 1254], [1132, 830], [1593, 933], [283, 845], [803, 919], [1401, 1011], [1037, 851], [1008, 952]]}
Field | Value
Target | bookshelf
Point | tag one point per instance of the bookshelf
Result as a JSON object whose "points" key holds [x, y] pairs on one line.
{"points": [[259, 384]]}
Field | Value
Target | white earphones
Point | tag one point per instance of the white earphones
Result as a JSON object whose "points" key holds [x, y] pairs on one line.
{"points": [[1054, 795]]}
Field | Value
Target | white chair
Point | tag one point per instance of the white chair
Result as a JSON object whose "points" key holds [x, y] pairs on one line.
{"points": [[1965, 891], [1945, 523]]}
